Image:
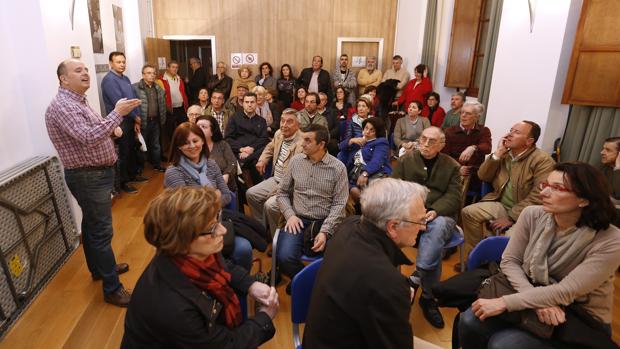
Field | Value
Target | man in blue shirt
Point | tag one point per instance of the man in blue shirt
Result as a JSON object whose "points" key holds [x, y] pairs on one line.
{"points": [[116, 86]]}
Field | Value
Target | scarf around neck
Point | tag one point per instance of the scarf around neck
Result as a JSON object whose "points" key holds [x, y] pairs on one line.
{"points": [[197, 171]]}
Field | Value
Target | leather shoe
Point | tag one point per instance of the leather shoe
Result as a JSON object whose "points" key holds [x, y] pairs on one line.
{"points": [[120, 297], [120, 268], [431, 312], [128, 188]]}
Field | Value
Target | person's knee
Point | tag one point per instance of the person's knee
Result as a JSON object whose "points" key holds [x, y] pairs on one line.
{"points": [[468, 322], [467, 211]]}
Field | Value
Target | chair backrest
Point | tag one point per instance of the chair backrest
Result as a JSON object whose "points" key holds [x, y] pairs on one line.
{"points": [[487, 250], [301, 291]]}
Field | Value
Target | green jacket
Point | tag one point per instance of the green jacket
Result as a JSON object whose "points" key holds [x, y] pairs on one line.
{"points": [[444, 184], [139, 88]]}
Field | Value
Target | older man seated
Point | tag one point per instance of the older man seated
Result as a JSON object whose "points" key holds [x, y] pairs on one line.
{"points": [[440, 174], [285, 144]]}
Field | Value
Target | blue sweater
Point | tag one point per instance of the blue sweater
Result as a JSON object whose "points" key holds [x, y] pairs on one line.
{"points": [[115, 87]]}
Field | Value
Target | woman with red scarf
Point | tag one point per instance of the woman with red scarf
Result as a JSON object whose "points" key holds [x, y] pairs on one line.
{"points": [[187, 296]]}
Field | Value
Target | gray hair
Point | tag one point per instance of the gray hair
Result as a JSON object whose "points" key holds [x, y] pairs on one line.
{"points": [[442, 135], [477, 106], [389, 198], [259, 90], [291, 111]]}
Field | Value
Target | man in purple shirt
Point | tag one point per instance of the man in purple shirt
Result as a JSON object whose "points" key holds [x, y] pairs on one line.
{"points": [[84, 143]]}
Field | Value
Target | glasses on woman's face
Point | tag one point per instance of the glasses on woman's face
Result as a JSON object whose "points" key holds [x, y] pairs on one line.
{"points": [[213, 230], [554, 187]]}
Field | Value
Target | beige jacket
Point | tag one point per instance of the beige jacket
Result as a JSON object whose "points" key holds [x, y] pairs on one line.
{"points": [[272, 149], [528, 170], [366, 79]]}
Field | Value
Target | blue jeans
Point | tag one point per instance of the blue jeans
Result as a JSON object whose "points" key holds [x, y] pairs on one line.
{"points": [[151, 138], [428, 261], [289, 250], [242, 253], [494, 333], [92, 188]]}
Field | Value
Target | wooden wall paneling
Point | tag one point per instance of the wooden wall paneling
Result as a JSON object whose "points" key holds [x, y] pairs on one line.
{"points": [[157, 48], [593, 77], [463, 38], [280, 31], [360, 49]]}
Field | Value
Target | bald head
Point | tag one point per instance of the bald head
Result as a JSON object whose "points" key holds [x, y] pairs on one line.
{"points": [[73, 75]]}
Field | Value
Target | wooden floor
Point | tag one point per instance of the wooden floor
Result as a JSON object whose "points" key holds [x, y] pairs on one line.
{"points": [[70, 312]]}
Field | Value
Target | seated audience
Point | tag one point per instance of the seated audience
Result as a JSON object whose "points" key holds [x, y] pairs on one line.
{"points": [[265, 76], [218, 111], [312, 195], [310, 115], [515, 169], [192, 167], [469, 142], [417, 89], [353, 140], [286, 85], [372, 160], [266, 110], [345, 77], [300, 97], [440, 174], [409, 128], [245, 77], [561, 256], [219, 150], [333, 125], [368, 76], [203, 99], [454, 114], [280, 150], [360, 299], [220, 81], [433, 111], [398, 73], [316, 79], [235, 103], [247, 135], [188, 295]]}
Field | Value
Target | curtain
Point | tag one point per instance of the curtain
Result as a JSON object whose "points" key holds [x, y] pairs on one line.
{"points": [[489, 54], [586, 129], [430, 35]]}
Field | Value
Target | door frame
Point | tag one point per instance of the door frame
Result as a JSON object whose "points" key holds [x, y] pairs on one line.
{"points": [[197, 37]]}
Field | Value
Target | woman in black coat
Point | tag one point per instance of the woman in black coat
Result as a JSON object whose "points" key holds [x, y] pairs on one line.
{"points": [[187, 296]]}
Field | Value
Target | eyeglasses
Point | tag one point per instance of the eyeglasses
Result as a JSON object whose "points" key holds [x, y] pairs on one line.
{"points": [[213, 230], [423, 222], [554, 187], [428, 141]]}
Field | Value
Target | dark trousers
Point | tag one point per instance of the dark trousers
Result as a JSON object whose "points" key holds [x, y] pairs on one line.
{"points": [[151, 137], [92, 188], [173, 119], [127, 151]]}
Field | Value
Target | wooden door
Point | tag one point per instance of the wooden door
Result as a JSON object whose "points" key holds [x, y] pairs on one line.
{"points": [[156, 49]]}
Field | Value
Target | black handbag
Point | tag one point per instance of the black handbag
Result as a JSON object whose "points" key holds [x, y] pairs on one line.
{"points": [[356, 171], [497, 286]]}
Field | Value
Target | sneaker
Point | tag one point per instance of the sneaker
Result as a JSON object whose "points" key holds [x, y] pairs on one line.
{"points": [[139, 179], [128, 189], [120, 268], [120, 297], [431, 312]]}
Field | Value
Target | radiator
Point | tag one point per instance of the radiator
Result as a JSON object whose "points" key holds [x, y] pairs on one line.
{"points": [[37, 233]]}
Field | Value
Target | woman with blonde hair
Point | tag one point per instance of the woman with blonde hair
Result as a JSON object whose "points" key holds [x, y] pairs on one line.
{"points": [[245, 77]]}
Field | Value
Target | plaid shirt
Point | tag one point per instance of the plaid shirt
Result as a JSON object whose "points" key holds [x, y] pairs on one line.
{"points": [[81, 136]]}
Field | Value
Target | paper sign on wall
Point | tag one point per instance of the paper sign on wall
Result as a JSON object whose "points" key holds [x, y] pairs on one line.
{"points": [[359, 61], [236, 60], [250, 58], [161, 63]]}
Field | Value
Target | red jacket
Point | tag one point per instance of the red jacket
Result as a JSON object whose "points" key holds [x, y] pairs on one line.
{"points": [[438, 115], [166, 86], [418, 93]]}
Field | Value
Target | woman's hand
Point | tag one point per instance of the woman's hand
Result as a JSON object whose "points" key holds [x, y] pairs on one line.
{"points": [[486, 308], [359, 141], [551, 315], [362, 181]]}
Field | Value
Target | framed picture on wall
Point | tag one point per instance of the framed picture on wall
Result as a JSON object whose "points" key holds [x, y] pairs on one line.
{"points": [[94, 15], [119, 32]]}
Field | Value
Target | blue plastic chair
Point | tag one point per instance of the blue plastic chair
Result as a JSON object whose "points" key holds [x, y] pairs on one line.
{"points": [[487, 250], [457, 239], [301, 293]]}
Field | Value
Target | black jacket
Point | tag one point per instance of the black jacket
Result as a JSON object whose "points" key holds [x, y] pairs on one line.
{"points": [[360, 299], [324, 81], [197, 81], [168, 311], [224, 85], [243, 131]]}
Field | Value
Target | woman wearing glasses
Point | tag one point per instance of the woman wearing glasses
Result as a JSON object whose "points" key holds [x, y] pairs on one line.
{"points": [[186, 297], [560, 255], [192, 167]]}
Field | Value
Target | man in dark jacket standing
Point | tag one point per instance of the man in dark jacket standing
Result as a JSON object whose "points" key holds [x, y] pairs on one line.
{"points": [[360, 300], [316, 79], [196, 80]]}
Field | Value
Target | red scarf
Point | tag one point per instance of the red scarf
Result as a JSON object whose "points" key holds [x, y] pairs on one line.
{"points": [[210, 276]]}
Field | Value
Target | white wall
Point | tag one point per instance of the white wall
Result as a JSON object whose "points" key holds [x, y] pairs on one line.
{"points": [[530, 68], [445, 9], [410, 22]]}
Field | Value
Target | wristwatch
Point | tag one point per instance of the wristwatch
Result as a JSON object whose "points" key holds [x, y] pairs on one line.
{"points": [[365, 174]]}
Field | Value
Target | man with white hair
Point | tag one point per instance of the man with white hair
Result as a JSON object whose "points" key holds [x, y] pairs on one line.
{"points": [[363, 255]]}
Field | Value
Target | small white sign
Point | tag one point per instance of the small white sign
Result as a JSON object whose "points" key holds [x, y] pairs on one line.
{"points": [[359, 61], [250, 58], [161, 63], [236, 60]]}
